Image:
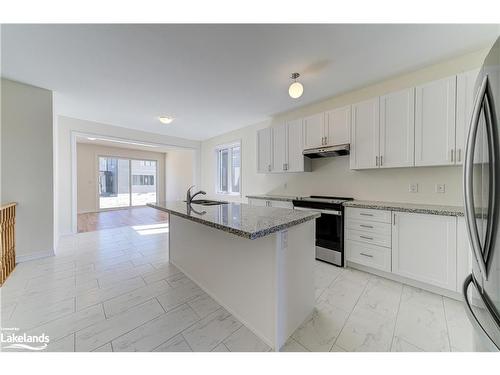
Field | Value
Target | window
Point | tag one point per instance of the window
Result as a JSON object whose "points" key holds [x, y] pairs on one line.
{"points": [[229, 169], [140, 179]]}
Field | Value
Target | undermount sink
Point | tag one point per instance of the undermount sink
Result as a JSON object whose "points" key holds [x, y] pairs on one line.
{"points": [[207, 202]]}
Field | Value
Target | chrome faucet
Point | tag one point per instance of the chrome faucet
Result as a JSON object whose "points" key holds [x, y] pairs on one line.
{"points": [[189, 197]]}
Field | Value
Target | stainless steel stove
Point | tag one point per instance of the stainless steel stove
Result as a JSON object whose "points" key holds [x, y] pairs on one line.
{"points": [[329, 227]]}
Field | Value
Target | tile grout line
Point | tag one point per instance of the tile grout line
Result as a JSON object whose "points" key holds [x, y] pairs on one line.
{"points": [[446, 322], [350, 313], [397, 316]]}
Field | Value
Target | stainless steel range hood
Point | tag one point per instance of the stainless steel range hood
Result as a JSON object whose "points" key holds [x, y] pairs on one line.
{"points": [[325, 152]]}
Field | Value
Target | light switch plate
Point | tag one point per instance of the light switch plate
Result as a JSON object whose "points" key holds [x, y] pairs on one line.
{"points": [[413, 188], [440, 188]]}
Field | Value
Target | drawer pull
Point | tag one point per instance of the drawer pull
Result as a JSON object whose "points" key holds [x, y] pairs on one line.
{"points": [[366, 226], [367, 238], [365, 214], [366, 255]]}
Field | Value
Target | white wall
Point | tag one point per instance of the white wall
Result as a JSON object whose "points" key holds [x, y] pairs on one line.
{"points": [[27, 165], [67, 126], [87, 165], [332, 176], [180, 174]]}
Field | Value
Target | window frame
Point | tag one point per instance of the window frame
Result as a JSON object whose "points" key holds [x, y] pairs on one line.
{"points": [[217, 150]]}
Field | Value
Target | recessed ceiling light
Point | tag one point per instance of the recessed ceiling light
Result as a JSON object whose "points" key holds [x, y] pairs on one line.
{"points": [[165, 119], [91, 139]]}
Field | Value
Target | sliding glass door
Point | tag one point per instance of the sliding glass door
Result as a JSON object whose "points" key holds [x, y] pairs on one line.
{"points": [[126, 182]]}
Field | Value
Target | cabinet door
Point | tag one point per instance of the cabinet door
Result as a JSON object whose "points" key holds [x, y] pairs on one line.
{"points": [[295, 146], [365, 134], [424, 248], [279, 148], [264, 150], [314, 130], [465, 101], [435, 122], [338, 126], [397, 129], [464, 253]]}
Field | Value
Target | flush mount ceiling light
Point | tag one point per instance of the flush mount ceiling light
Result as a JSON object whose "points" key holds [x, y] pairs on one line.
{"points": [[165, 119], [296, 89]]}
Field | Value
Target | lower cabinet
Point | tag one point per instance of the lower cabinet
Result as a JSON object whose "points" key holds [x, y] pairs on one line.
{"points": [[368, 255], [424, 248], [464, 253]]}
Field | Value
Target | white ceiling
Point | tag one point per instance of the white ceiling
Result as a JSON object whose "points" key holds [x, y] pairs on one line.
{"points": [[216, 78]]}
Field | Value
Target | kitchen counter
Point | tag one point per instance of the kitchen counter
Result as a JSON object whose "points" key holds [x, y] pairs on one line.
{"points": [[256, 261], [417, 208], [241, 219], [283, 198]]}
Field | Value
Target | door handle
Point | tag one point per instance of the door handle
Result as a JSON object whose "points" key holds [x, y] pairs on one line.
{"points": [[376, 161], [380, 160], [452, 155], [470, 215]]}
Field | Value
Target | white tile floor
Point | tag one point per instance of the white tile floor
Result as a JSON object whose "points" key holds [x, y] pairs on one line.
{"points": [[114, 290]]}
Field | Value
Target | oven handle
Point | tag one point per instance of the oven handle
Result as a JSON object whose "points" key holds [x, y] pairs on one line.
{"points": [[326, 212]]}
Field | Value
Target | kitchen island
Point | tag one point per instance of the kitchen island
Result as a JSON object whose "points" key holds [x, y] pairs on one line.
{"points": [[257, 262]]}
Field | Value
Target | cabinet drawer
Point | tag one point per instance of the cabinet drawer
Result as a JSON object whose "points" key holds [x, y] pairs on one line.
{"points": [[371, 238], [368, 214], [369, 226], [368, 255]]}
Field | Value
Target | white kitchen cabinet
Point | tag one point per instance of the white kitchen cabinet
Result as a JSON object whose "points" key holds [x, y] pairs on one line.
{"points": [[279, 148], [365, 134], [424, 248], [397, 129], [435, 122], [337, 129], [296, 161], [465, 102], [464, 253], [314, 130], [264, 150]]}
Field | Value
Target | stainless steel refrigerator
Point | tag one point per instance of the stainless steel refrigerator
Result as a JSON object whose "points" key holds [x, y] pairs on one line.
{"points": [[482, 203]]}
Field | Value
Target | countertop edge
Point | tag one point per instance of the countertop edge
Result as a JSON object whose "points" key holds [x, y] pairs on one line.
{"points": [[271, 198], [400, 207], [237, 232]]}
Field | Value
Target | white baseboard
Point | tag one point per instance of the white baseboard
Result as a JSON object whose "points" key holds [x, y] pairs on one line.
{"points": [[34, 256]]}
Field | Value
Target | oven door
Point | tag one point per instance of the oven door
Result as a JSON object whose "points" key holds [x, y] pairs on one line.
{"points": [[329, 235]]}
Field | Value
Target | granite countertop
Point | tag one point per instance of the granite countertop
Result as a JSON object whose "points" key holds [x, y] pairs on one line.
{"points": [[241, 219], [284, 198], [431, 209]]}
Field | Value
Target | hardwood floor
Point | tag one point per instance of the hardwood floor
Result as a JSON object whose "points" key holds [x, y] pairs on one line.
{"points": [[93, 221]]}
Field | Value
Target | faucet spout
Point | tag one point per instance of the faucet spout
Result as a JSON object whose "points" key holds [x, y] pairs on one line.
{"points": [[189, 197]]}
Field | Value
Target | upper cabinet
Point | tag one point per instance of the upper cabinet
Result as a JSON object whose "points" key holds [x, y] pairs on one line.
{"points": [[435, 123], [365, 134], [337, 129], [264, 150], [397, 129], [314, 131], [465, 102], [279, 149]]}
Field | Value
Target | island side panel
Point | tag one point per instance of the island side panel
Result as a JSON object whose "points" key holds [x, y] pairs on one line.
{"points": [[240, 274], [295, 278]]}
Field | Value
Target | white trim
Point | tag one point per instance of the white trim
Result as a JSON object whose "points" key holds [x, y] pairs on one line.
{"points": [[236, 143], [34, 256]]}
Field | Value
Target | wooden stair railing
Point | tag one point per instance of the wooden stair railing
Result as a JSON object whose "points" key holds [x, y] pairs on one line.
{"points": [[8, 242]]}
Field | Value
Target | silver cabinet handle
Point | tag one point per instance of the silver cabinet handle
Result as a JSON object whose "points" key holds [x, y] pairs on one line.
{"points": [[366, 255], [269, 168], [381, 160], [459, 154], [376, 161], [365, 214], [366, 226], [452, 155], [394, 219], [366, 238], [284, 167]]}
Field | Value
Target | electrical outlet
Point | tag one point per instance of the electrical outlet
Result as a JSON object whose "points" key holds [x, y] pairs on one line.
{"points": [[413, 188], [440, 188]]}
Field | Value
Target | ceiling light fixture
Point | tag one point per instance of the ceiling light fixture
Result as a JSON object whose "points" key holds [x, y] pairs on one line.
{"points": [[296, 89], [165, 119]]}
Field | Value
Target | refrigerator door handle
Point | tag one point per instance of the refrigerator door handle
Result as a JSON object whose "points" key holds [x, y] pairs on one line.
{"points": [[470, 215]]}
